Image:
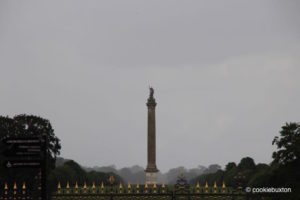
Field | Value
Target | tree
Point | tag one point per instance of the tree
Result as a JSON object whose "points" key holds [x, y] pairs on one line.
{"points": [[30, 125], [246, 163], [27, 125], [288, 144], [286, 161], [230, 166], [36, 126]]}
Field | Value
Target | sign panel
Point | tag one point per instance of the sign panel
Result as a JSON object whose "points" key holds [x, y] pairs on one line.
{"points": [[27, 152], [23, 164], [29, 146], [21, 140], [23, 150]]}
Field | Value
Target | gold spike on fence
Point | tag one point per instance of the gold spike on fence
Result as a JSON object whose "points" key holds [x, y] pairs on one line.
{"points": [[24, 185], [24, 188], [68, 187], [137, 188], [215, 187], [15, 188], [58, 187], [76, 187], [93, 187], [154, 187], [223, 187], [146, 187], [102, 187], [129, 188], [5, 188], [121, 187], [84, 187], [163, 188], [206, 187], [198, 187]]}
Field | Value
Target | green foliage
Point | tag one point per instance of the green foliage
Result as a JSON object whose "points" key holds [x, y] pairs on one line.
{"points": [[25, 126], [72, 172], [288, 144], [246, 163], [286, 161], [30, 125], [246, 166], [283, 171], [230, 165]]}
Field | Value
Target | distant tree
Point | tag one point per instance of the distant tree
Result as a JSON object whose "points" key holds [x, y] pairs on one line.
{"points": [[229, 166], [72, 172], [246, 163], [172, 174], [212, 169]]}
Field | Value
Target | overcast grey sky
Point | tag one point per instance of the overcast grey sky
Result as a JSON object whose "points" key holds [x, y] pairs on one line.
{"points": [[225, 73]]}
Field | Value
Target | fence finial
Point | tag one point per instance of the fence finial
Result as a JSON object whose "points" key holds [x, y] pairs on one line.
{"points": [[121, 187], [5, 186], [24, 185], [15, 185], [24, 188], [93, 185], [146, 187], [215, 187], [128, 187], [102, 187], [58, 185], [198, 187], [76, 185], [137, 187], [206, 187], [223, 185]]}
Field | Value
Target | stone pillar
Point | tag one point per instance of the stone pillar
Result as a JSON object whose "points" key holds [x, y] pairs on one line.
{"points": [[151, 170]]}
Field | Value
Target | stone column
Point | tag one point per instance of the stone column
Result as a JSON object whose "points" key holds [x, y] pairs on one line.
{"points": [[151, 170]]}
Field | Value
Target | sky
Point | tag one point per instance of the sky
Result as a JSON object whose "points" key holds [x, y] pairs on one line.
{"points": [[225, 75]]}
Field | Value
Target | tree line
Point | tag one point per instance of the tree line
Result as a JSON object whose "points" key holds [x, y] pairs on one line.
{"points": [[283, 171]]}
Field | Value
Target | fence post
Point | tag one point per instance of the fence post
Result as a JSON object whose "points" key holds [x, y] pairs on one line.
{"points": [[24, 190], [15, 190], [5, 190]]}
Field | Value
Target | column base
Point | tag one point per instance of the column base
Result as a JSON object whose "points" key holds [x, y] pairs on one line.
{"points": [[151, 178]]}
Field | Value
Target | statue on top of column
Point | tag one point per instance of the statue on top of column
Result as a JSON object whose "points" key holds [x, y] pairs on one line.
{"points": [[151, 92]]}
